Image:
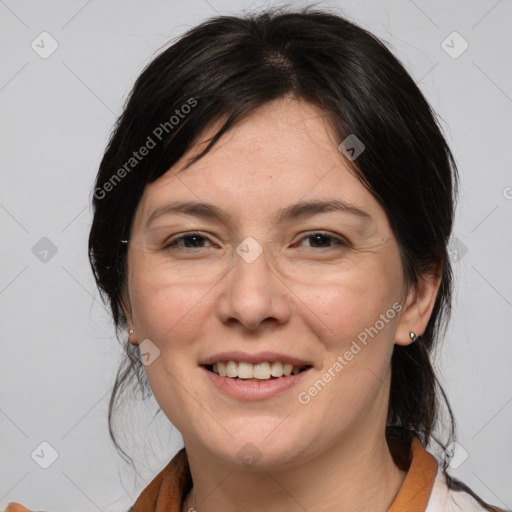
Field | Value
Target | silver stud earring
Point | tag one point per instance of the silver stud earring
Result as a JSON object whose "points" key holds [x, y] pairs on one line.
{"points": [[413, 336], [130, 332]]}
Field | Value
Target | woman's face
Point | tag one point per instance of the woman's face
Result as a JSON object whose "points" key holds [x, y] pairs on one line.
{"points": [[318, 287]]}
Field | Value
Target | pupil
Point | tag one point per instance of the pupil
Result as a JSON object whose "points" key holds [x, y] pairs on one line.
{"points": [[197, 238], [318, 236]]}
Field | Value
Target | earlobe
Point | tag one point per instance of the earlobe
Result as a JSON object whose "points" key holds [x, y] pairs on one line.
{"points": [[125, 304], [417, 309], [413, 337], [132, 338]]}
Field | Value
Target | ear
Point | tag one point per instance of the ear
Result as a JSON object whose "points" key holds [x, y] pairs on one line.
{"points": [[126, 305], [418, 306]]}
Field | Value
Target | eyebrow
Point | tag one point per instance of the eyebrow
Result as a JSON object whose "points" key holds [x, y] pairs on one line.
{"points": [[298, 210]]}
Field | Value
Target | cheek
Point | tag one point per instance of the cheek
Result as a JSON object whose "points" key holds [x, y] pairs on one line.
{"points": [[354, 319], [167, 314], [163, 307], [352, 301]]}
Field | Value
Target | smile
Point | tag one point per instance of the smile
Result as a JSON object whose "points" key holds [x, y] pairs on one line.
{"points": [[238, 383], [265, 370]]}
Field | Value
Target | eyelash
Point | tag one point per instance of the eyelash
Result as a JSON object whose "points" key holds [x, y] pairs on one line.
{"points": [[173, 243]]}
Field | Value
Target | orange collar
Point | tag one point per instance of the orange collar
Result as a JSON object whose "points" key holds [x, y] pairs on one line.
{"points": [[415, 492], [167, 490]]}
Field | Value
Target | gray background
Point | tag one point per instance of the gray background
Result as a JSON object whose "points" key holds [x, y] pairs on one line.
{"points": [[59, 354]]}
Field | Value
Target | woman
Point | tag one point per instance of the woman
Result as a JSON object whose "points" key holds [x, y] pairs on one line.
{"points": [[271, 220]]}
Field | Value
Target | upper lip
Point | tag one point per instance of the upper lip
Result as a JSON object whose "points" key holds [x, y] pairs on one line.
{"points": [[260, 357]]}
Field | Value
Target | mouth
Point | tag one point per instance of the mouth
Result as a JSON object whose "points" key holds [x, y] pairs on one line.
{"points": [[260, 372]]}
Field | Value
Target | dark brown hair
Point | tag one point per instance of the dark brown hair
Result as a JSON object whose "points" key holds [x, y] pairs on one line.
{"points": [[227, 67]]}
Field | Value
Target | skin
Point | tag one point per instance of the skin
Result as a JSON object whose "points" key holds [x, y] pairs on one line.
{"points": [[297, 298]]}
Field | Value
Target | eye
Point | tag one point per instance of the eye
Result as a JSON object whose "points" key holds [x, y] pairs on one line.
{"points": [[320, 239], [192, 240], [195, 240]]}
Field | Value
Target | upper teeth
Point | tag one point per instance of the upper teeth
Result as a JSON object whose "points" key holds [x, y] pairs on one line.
{"points": [[262, 370]]}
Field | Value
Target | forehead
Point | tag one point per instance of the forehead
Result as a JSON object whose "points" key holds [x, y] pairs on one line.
{"points": [[283, 152]]}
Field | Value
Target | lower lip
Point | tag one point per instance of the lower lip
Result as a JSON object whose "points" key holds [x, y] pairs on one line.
{"points": [[253, 390]]}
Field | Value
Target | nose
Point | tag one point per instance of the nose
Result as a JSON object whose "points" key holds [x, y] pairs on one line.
{"points": [[252, 293]]}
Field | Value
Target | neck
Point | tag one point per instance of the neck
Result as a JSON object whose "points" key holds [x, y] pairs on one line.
{"points": [[355, 475]]}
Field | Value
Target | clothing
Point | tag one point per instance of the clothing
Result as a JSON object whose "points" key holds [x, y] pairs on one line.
{"points": [[423, 490]]}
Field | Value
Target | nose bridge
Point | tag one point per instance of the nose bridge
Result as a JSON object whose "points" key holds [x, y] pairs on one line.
{"points": [[250, 292], [252, 269]]}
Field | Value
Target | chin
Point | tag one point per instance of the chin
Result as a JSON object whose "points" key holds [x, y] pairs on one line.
{"points": [[263, 449]]}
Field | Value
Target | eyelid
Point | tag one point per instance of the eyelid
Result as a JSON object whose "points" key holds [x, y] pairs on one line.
{"points": [[180, 236], [341, 240]]}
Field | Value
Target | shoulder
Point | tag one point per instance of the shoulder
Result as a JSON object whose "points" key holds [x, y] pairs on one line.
{"points": [[444, 499]]}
